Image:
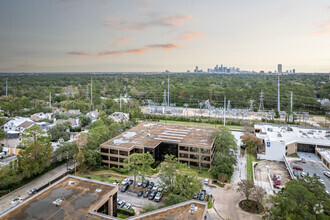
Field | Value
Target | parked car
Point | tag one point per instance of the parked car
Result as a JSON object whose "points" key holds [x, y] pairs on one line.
{"points": [[140, 183], [121, 203], [152, 184], [206, 181], [16, 201], [295, 173], [160, 189], [303, 160], [309, 174], [145, 184], [124, 181], [127, 206], [33, 191], [130, 182], [140, 193], [202, 195], [214, 181], [326, 173], [196, 196], [155, 187], [124, 187], [303, 174], [297, 168], [317, 176], [152, 195], [158, 196], [146, 193]]}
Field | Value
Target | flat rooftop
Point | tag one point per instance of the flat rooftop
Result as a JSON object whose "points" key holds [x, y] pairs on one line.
{"points": [[152, 134], [325, 152], [289, 134], [77, 200]]}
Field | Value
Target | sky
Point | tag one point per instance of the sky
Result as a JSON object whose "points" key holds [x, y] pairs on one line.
{"points": [[159, 35]]}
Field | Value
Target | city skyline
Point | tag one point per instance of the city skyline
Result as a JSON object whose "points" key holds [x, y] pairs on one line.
{"points": [[154, 36]]}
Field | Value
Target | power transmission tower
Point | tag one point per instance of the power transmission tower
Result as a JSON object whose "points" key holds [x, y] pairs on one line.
{"points": [[164, 100], [168, 91], [228, 106], [251, 105], [278, 95], [224, 112], [6, 86], [50, 99], [91, 91], [261, 104]]}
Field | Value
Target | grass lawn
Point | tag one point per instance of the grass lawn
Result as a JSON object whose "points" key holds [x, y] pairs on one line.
{"points": [[210, 203], [110, 178], [293, 155], [121, 216], [205, 173], [200, 124], [249, 172]]}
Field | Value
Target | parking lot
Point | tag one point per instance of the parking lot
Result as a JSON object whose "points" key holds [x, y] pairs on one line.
{"points": [[313, 165]]}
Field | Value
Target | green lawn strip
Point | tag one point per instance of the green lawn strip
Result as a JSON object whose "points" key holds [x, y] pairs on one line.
{"points": [[121, 216], [200, 124], [293, 155], [103, 177], [210, 203], [249, 172]]}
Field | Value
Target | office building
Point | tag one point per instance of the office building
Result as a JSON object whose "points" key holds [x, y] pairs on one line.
{"points": [[279, 68], [190, 144]]}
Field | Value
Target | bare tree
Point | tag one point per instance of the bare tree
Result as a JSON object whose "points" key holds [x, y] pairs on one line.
{"points": [[246, 187], [259, 194]]}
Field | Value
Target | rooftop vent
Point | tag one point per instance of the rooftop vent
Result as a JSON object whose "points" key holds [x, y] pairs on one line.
{"points": [[57, 202], [193, 208], [98, 190], [70, 183], [148, 135]]}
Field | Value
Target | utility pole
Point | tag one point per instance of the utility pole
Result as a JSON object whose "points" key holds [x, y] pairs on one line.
{"points": [[120, 102], [291, 103], [278, 95], [50, 99], [91, 91], [168, 91], [6, 86], [261, 104], [224, 112]]}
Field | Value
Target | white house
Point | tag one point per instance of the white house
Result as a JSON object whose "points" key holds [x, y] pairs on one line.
{"points": [[18, 124], [119, 116], [39, 116]]}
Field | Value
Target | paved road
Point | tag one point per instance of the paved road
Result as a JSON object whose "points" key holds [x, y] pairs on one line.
{"points": [[240, 168], [23, 190]]}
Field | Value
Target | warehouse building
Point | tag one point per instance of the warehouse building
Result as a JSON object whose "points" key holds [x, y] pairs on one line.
{"points": [[284, 140], [190, 144]]}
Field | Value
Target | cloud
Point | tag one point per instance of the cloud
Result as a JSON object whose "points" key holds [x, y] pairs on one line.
{"points": [[127, 25], [323, 27], [191, 35], [26, 65], [130, 51], [120, 40]]}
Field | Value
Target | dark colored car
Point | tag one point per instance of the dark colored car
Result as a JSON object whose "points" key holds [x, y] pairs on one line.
{"points": [[152, 195], [140, 193], [130, 182], [152, 184], [33, 191], [145, 184], [202, 195], [158, 196], [295, 173], [297, 168], [317, 176], [214, 181], [146, 193], [124, 187]]}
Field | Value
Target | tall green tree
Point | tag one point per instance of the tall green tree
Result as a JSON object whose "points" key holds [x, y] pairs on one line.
{"points": [[66, 150], [168, 170], [60, 131], [186, 182], [251, 142], [132, 164], [300, 200], [37, 154]]}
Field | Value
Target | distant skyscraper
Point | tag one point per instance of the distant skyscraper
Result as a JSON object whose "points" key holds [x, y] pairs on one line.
{"points": [[294, 71], [279, 68], [221, 69], [196, 69]]}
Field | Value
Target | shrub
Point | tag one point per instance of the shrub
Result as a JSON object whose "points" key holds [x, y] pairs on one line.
{"points": [[129, 212], [148, 208], [173, 199]]}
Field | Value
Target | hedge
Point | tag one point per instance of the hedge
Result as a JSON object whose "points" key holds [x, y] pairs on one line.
{"points": [[129, 212]]}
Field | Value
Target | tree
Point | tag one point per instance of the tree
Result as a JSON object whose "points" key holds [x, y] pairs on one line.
{"points": [[224, 141], [37, 154], [222, 164], [173, 199], [60, 131], [2, 132], [145, 167], [246, 188], [259, 194], [84, 121], [132, 164], [250, 142], [186, 182], [300, 200], [66, 150], [168, 170]]}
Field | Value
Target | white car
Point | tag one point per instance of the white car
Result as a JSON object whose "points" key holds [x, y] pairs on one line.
{"points": [[16, 201], [127, 206], [322, 181], [125, 181], [206, 181], [155, 187], [327, 173]]}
